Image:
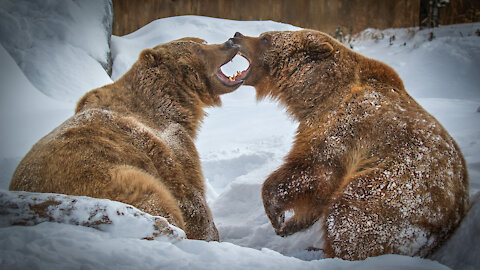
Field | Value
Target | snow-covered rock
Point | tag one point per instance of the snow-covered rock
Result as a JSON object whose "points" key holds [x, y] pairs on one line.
{"points": [[115, 218], [58, 246], [52, 41]]}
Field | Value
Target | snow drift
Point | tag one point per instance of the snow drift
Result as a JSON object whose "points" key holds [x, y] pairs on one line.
{"points": [[52, 41]]}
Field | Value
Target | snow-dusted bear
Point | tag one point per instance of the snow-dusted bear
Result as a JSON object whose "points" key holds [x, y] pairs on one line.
{"points": [[380, 173], [132, 140]]}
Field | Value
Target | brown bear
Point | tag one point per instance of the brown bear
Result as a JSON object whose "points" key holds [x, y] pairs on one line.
{"points": [[380, 173], [133, 140]]}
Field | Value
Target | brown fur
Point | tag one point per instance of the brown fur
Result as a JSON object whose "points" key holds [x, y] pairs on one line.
{"points": [[382, 173], [132, 140]]}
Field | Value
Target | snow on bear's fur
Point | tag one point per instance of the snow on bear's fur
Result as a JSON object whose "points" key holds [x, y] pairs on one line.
{"points": [[381, 173]]}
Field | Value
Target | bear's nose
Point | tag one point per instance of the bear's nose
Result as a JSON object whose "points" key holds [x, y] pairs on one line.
{"points": [[238, 35], [230, 44]]}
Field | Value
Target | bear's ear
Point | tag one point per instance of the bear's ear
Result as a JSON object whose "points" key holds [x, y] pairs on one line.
{"points": [[149, 58], [319, 50]]}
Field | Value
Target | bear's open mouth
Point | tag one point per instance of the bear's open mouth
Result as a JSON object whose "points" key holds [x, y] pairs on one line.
{"points": [[236, 79]]}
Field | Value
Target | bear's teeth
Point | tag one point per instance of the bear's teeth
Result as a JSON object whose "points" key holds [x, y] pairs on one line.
{"points": [[236, 64]]}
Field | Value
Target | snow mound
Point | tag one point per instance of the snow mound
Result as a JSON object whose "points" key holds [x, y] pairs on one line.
{"points": [[59, 246], [26, 115], [460, 251], [115, 218], [241, 219], [52, 41]]}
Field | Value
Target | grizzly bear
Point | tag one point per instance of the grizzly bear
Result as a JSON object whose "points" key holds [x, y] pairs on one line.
{"points": [[380, 173], [133, 140]]}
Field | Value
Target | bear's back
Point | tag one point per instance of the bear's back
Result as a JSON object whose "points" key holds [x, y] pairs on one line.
{"points": [[76, 157], [412, 189]]}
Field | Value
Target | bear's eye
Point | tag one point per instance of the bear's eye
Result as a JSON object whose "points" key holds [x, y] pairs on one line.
{"points": [[265, 40]]}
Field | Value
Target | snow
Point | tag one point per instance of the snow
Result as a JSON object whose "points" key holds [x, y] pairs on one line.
{"points": [[417, 60], [240, 144], [52, 246], [26, 115], [463, 243], [114, 218], [52, 41]]}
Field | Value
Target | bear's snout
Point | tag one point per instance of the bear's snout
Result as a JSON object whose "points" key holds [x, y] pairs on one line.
{"points": [[237, 38], [229, 44]]}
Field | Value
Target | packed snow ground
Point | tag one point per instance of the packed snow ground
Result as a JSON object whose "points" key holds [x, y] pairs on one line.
{"points": [[240, 144]]}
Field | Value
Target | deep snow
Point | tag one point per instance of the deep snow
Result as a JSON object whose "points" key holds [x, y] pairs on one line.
{"points": [[51, 41], [240, 144]]}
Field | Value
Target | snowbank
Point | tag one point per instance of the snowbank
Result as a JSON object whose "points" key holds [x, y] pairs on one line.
{"points": [[26, 115], [60, 246], [461, 250], [52, 41]]}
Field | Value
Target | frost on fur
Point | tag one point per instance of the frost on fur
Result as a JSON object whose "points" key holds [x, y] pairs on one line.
{"points": [[381, 171]]}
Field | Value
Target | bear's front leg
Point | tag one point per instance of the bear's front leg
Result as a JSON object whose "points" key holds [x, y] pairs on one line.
{"points": [[295, 195]]}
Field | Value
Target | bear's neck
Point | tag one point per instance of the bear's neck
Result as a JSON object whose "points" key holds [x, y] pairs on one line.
{"points": [[311, 90], [156, 102], [308, 91]]}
